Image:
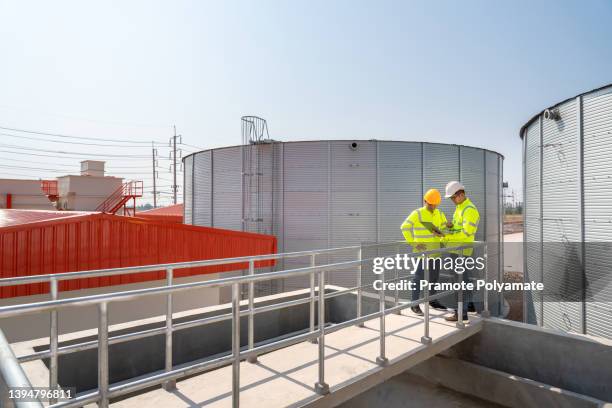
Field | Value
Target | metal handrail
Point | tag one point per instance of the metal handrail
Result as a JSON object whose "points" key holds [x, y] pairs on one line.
{"points": [[106, 391], [49, 187], [12, 375], [95, 273], [133, 188]]}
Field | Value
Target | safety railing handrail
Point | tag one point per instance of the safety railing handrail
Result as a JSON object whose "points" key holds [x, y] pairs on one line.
{"points": [[132, 188], [12, 375], [105, 391], [96, 273], [112, 198], [49, 187], [12, 310]]}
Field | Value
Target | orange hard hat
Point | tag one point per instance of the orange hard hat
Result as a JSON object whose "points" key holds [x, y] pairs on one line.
{"points": [[432, 196]]}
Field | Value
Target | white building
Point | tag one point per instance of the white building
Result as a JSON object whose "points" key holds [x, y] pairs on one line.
{"points": [[82, 192]]}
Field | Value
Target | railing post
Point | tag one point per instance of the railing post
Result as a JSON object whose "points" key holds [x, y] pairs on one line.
{"points": [[53, 340], [359, 285], [252, 358], [426, 339], [13, 377], [382, 359], [396, 297], [485, 312], [103, 355], [236, 345], [459, 311], [312, 298], [171, 384], [321, 387]]}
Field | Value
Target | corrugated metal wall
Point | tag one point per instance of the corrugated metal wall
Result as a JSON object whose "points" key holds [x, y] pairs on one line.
{"points": [[490, 221], [202, 189], [441, 165], [227, 192], [561, 226], [532, 217], [331, 193], [597, 135], [188, 181], [99, 241], [472, 162], [400, 185], [568, 177]]}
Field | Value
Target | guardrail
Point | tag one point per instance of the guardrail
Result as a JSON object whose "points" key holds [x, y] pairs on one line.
{"points": [[12, 376], [106, 391]]}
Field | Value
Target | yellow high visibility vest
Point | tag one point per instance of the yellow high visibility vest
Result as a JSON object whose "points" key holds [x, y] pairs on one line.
{"points": [[465, 226], [415, 232]]}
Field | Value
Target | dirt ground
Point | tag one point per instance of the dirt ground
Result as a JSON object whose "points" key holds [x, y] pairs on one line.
{"points": [[513, 223]]}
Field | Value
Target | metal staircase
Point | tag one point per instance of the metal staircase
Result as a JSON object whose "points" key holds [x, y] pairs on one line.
{"points": [[129, 190]]}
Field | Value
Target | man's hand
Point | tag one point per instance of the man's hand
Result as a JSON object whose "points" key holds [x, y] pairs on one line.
{"points": [[421, 247], [437, 232]]}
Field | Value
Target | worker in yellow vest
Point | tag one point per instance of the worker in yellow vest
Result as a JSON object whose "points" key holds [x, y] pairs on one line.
{"points": [[460, 231], [422, 229]]}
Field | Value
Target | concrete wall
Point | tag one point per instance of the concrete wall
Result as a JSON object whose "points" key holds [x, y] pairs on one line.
{"points": [[505, 364], [26, 195], [576, 363], [409, 390], [35, 326], [85, 193], [496, 386]]}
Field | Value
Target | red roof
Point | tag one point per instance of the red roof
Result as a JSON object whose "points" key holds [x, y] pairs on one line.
{"points": [[9, 217], [176, 209], [171, 213]]}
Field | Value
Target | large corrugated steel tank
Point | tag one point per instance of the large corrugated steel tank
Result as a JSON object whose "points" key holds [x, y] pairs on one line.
{"points": [[567, 176], [322, 194]]}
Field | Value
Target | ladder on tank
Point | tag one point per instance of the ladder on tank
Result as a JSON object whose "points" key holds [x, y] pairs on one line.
{"points": [[255, 134]]}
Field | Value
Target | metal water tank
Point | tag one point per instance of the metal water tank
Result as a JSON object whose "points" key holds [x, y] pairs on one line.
{"points": [[567, 179], [335, 193]]}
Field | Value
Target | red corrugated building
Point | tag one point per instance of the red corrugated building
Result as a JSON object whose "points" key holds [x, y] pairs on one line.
{"points": [[171, 213], [44, 242]]}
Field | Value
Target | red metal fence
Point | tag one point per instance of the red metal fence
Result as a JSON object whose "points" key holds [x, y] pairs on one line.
{"points": [[97, 241]]}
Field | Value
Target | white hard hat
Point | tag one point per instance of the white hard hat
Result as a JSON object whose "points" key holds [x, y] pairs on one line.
{"points": [[452, 187]]}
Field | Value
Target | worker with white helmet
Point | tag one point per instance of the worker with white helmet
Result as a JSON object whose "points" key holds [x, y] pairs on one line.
{"points": [[422, 230], [462, 230]]}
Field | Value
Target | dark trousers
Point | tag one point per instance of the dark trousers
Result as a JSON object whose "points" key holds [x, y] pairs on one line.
{"points": [[419, 275]]}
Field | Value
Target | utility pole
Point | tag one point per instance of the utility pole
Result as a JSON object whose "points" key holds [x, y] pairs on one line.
{"points": [[173, 158], [174, 187], [154, 154]]}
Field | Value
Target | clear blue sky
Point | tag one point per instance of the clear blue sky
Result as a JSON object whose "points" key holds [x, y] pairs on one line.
{"points": [[468, 72]]}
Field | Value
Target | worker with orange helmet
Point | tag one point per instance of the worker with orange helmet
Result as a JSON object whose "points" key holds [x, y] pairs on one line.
{"points": [[422, 229]]}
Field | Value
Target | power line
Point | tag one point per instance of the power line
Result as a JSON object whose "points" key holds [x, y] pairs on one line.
{"points": [[109, 168], [69, 142], [67, 170], [30, 161], [35, 132], [62, 152], [32, 168], [54, 156], [185, 144]]}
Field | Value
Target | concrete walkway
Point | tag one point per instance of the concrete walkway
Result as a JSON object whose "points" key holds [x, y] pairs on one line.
{"points": [[286, 377]]}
